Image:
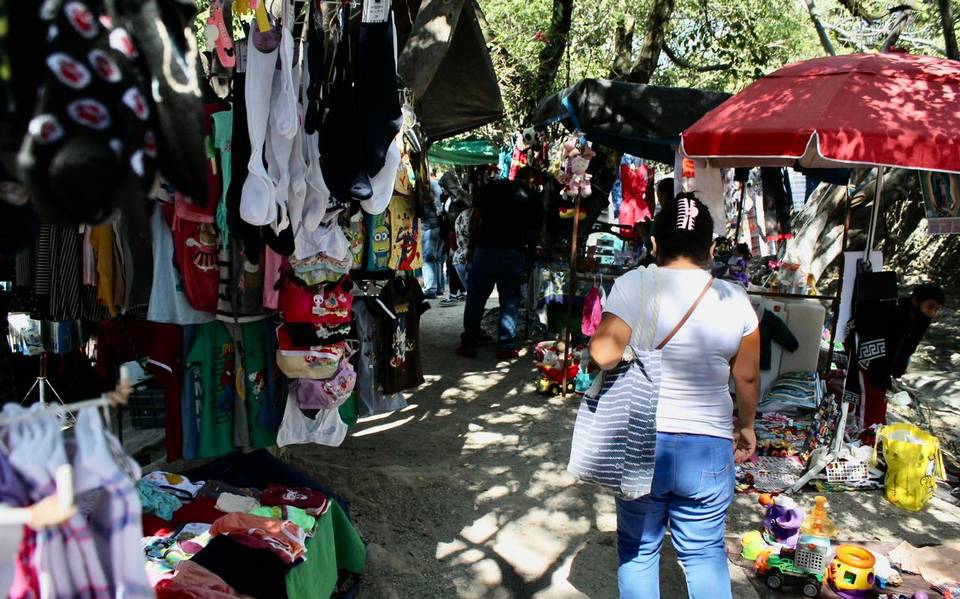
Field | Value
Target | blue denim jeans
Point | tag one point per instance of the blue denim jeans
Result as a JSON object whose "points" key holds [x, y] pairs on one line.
{"points": [[463, 271], [491, 267], [693, 486], [432, 262]]}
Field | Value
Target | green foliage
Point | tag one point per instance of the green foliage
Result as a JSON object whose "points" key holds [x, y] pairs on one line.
{"points": [[749, 38]]}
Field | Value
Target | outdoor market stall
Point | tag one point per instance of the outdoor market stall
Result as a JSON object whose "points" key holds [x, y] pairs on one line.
{"points": [[240, 239], [859, 111], [643, 121]]}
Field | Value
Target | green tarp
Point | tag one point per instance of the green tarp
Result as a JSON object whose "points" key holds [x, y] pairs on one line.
{"points": [[467, 152]]}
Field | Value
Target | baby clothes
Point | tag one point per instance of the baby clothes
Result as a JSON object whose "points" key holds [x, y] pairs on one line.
{"points": [[284, 538]]}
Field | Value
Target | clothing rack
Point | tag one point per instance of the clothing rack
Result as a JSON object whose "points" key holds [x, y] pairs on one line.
{"points": [[56, 410], [63, 476]]}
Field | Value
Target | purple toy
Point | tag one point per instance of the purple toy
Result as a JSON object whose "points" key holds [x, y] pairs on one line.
{"points": [[782, 521]]}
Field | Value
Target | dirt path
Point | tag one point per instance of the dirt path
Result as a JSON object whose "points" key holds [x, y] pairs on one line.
{"points": [[464, 494]]}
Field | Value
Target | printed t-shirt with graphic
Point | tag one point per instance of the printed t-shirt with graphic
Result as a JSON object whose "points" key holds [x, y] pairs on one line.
{"points": [[400, 305], [378, 241], [405, 250], [168, 303], [257, 389], [371, 399], [214, 352], [196, 248]]}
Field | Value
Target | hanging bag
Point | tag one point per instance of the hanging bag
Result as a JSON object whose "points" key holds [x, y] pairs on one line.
{"points": [[614, 437], [914, 462]]}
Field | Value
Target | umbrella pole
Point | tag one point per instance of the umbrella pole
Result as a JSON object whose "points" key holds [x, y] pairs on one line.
{"points": [[874, 218], [743, 196]]}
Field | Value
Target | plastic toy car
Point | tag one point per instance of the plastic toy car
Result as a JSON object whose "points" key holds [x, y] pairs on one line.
{"points": [[780, 571], [551, 379]]}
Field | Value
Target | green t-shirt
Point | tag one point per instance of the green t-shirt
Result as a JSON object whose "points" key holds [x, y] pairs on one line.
{"points": [[255, 371], [214, 353], [294, 514], [349, 412], [335, 545]]}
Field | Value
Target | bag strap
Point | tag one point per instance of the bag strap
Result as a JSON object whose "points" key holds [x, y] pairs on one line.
{"points": [[686, 316]]}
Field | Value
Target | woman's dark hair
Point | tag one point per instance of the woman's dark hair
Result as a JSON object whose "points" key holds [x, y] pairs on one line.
{"points": [[664, 189], [683, 229], [929, 291]]}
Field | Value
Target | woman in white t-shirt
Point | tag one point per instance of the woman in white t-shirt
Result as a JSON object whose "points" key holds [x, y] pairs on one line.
{"points": [[697, 437]]}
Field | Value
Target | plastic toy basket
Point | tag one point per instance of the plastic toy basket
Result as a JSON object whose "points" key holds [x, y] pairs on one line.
{"points": [[847, 471]]}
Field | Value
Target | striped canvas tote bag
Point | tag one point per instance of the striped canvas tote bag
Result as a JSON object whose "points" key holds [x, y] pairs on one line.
{"points": [[615, 434]]}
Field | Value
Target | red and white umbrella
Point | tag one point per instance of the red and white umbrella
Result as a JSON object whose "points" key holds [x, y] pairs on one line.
{"points": [[855, 111], [860, 110]]}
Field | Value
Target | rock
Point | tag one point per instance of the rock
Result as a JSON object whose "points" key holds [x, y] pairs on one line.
{"points": [[955, 360]]}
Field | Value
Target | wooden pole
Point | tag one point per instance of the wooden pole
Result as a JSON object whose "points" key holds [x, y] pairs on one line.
{"points": [[571, 292]]}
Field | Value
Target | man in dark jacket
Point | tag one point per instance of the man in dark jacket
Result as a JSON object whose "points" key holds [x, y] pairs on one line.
{"points": [[505, 222]]}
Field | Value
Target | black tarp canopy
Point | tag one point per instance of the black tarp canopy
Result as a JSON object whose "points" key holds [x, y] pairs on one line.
{"points": [[444, 61], [642, 120]]}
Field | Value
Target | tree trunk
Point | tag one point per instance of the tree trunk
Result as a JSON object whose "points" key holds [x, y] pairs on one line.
{"points": [[656, 34], [821, 31], [623, 47], [551, 55], [899, 26], [949, 33]]}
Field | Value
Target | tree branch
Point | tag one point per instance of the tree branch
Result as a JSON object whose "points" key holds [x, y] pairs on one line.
{"points": [[821, 32], [686, 64], [623, 46], [949, 33], [551, 55], [656, 33], [916, 41], [848, 38], [906, 14], [856, 9]]}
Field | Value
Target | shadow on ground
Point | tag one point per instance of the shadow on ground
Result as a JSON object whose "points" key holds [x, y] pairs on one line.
{"points": [[465, 494]]}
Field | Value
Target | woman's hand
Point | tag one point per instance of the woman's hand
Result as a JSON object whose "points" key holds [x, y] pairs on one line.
{"points": [[744, 444]]}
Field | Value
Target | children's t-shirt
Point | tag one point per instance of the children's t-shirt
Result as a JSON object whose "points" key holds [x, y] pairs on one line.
{"points": [[378, 241], [196, 248], [405, 254], [400, 305], [168, 303], [258, 391], [213, 351]]}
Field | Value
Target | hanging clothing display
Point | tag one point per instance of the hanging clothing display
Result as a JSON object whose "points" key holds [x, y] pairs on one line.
{"points": [[634, 180], [400, 305]]}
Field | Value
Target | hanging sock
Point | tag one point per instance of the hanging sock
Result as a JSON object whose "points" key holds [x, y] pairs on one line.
{"points": [[258, 203], [163, 32], [377, 92], [341, 148], [282, 130], [317, 194], [89, 147]]}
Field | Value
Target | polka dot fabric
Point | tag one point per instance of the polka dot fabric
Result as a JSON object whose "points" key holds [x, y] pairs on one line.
{"points": [[90, 145]]}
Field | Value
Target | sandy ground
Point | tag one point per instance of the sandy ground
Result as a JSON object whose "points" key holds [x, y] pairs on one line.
{"points": [[464, 493]]}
